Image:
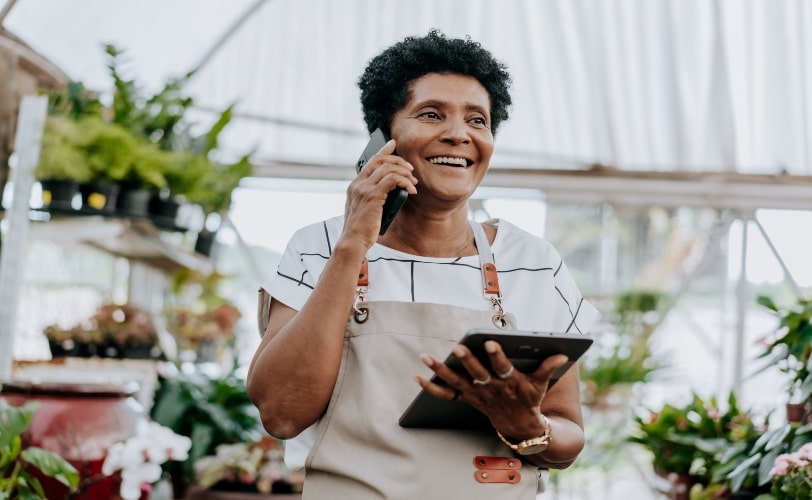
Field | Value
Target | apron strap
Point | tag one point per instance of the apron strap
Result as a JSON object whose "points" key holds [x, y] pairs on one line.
{"points": [[361, 289], [490, 280]]}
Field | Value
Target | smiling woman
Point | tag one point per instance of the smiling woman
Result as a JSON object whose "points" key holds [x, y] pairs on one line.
{"points": [[412, 293]]}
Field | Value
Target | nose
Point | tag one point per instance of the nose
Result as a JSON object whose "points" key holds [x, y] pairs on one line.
{"points": [[456, 132]]}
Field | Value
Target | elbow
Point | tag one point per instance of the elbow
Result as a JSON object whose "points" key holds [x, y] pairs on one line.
{"points": [[278, 422], [280, 428]]}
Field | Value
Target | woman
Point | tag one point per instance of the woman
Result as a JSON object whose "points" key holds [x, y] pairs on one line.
{"points": [[340, 358]]}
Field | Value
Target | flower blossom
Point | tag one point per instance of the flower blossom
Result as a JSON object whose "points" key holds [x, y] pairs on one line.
{"points": [[139, 458]]}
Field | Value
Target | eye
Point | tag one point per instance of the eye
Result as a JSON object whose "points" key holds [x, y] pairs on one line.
{"points": [[479, 122], [431, 115]]}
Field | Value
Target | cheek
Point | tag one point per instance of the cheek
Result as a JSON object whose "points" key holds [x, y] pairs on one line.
{"points": [[486, 148]]}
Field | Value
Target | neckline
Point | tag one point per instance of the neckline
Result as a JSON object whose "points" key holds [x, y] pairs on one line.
{"points": [[399, 254]]}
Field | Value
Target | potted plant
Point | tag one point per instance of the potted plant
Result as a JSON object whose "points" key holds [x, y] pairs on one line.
{"points": [[686, 442], [625, 359], [21, 468], [211, 410], [113, 331], [745, 469], [143, 143], [189, 170], [63, 163], [202, 320], [790, 348], [792, 474], [249, 467]]}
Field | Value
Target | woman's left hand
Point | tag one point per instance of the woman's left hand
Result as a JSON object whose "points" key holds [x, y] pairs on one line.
{"points": [[509, 398]]}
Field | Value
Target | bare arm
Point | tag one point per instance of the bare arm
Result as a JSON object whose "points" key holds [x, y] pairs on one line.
{"points": [[294, 369]]}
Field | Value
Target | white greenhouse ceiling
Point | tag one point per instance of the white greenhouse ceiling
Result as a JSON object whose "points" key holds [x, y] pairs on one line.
{"points": [[722, 86]]}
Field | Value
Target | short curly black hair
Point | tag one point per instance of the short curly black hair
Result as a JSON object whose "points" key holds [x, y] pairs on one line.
{"points": [[386, 82]]}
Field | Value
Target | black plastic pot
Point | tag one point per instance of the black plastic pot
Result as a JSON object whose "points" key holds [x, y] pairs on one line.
{"points": [[58, 194], [133, 202], [99, 197]]}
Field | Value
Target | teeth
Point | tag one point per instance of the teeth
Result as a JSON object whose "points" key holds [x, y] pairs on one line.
{"points": [[449, 161]]}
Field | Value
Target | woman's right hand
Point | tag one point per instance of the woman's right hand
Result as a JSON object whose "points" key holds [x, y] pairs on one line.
{"points": [[367, 193]]}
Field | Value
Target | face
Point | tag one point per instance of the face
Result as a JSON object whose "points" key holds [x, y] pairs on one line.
{"points": [[444, 132]]}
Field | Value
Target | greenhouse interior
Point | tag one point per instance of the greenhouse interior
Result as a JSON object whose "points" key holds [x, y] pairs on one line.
{"points": [[664, 149]]}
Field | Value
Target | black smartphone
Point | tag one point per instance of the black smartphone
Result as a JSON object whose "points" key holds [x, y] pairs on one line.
{"points": [[397, 197]]}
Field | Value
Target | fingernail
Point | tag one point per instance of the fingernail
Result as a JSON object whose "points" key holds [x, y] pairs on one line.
{"points": [[425, 358], [458, 351], [490, 347]]}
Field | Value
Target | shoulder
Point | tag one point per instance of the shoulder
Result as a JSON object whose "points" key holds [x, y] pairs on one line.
{"points": [[321, 233], [514, 241]]}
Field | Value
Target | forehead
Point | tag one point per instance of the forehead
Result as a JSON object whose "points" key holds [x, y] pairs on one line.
{"points": [[450, 88]]}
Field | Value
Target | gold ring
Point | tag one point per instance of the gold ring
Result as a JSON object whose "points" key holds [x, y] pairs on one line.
{"points": [[485, 381], [507, 374]]}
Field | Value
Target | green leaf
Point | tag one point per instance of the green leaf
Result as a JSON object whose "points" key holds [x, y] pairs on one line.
{"points": [[777, 439], [740, 473], [766, 466], [767, 302], [52, 465]]}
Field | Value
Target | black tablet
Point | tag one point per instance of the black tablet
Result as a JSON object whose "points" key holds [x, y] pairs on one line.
{"points": [[525, 349]]}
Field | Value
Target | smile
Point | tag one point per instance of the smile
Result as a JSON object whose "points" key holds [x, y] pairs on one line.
{"points": [[450, 160]]}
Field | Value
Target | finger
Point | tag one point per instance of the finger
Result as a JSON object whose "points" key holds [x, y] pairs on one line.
{"points": [[388, 148], [443, 372], [532, 387], [500, 363], [544, 372], [439, 391], [478, 373]]}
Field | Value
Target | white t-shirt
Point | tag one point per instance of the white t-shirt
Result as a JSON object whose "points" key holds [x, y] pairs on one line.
{"points": [[536, 285]]}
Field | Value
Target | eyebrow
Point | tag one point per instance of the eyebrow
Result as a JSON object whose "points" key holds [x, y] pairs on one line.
{"points": [[436, 103]]}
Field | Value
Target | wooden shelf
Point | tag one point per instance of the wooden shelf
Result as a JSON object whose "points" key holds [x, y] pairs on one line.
{"points": [[132, 238]]}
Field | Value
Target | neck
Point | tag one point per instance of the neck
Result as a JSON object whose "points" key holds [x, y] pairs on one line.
{"points": [[446, 235]]}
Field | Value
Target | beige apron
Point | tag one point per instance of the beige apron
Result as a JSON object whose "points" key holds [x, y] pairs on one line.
{"points": [[360, 450]]}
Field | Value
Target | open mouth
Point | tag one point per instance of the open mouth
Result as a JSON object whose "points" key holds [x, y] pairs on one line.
{"points": [[451, 161]]}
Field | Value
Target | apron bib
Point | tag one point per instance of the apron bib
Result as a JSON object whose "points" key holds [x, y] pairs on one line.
{"points": [[361, 452]]}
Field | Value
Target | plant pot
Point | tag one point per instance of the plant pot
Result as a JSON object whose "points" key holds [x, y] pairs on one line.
{"points": [[676, 486], [164, 212], [80, 422], [71, 348], [133, 202], [99, 197], [204, 245], [798, 412], [58, 194]]}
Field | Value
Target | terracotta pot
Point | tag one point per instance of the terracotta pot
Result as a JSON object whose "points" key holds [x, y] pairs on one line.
{"points": [[798, 412], [79, 422]]}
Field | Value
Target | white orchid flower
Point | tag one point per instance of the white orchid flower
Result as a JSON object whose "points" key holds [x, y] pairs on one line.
{"points": [[139, 458]]}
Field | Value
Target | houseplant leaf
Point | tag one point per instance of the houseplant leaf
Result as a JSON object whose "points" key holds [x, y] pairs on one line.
{"points": [[52, 465]]}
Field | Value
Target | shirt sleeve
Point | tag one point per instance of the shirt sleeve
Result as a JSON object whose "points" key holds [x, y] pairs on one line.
{"points": [[293, 282]]}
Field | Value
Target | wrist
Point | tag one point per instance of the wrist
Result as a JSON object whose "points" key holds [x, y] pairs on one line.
{"points": [[532, 445]]}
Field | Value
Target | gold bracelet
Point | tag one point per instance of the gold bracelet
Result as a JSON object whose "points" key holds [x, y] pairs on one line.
{"points": [[533, 445]]}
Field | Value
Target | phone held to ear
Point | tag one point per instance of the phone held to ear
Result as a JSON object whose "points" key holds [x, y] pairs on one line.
{"points": [[397, 197]]}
